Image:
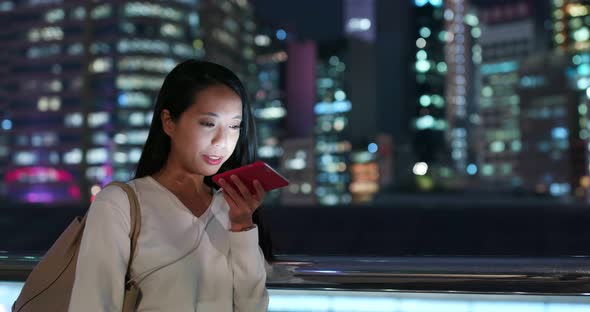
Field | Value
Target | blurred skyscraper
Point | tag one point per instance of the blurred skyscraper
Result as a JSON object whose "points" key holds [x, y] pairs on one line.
{"points": [[298, 166], [85, 76], [571, 38], [571, 25], [228, 29], [509, 33], [359, 19], [554, 121], [332, 146], [460, 23], [429, 104], [269, 98], [5, 122]]}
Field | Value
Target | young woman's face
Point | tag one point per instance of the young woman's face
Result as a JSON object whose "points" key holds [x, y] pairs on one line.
{"points": [[205, 135]]}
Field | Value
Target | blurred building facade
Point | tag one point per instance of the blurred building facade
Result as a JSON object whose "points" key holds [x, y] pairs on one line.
{"points": [[332, 146], [87, 75], [298, 166], [509, 33], [269, 99], [571, 25], [554, 157], [430, 111]]}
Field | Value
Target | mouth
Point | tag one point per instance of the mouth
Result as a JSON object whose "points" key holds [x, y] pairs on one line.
{"points": [[212, 159]]}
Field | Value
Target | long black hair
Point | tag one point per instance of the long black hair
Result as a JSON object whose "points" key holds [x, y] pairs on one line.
{"points": [[179, 91]]}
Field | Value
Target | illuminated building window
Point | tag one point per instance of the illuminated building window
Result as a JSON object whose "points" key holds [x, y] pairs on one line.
{"points": [[44, 139], [100, 48], [225, 38], [101, 11], [6, 6], [153, 64], [97, 155], [43, 51], [73, 120], [73, 156], [137, 119], [25, 158], [43, 2], [100, 138], [231, 25], [79, 13], [120, 158], [55, 15], [101, 65], [122, 175], [143, 45], [134, 82], [183, 50], [49, 103], [75, 49], [134, 99], [97, 173], [140, 9], [136, 137], [171, 30], [98, 119], [134, 155]]}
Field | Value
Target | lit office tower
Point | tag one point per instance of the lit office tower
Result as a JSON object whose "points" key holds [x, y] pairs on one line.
{"points": [[430, 71], [269, 98], [509, 33], [83, 77], [359, 19], [228, 31], [331, 147], [571, 34], [5, 122], [554, 128], [458, 85], [571, 25]]}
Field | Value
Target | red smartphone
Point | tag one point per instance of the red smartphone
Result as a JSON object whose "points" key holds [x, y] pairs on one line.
{"points": [[259, 170]]}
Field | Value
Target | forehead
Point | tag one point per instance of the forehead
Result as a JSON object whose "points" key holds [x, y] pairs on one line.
{"points": [[217, 99]]}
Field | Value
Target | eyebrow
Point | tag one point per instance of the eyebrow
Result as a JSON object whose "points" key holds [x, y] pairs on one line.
{"points": [[216, 115]]}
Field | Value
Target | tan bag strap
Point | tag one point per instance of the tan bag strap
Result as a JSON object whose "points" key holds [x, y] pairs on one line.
{"points": [[135, 221]]}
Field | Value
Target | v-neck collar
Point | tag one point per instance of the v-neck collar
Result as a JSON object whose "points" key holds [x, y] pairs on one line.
{"points": [[175, 198]]}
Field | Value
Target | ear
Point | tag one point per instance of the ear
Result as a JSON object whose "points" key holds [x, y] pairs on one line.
{"points": [[168, 124]]}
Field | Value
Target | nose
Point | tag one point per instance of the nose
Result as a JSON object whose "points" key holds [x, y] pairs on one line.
{"points": [[220, 138]]}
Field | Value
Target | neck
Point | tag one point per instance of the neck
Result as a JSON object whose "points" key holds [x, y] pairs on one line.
{"points": [[179, 181]]}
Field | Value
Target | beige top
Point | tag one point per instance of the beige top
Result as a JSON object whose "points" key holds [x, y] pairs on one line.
{"points": [[225, 273]]}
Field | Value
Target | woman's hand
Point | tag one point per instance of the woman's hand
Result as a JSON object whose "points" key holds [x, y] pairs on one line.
{"points": [[242, 203]]}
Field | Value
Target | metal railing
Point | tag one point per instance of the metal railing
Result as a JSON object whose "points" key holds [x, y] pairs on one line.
{"points": [[482, 275]]}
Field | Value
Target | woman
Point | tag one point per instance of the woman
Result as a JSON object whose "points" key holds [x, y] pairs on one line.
{"points": [[202, 125]]}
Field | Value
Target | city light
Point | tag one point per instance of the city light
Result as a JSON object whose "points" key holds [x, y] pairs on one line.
{"points": [[281, 34], [373, 148], [472, 169], [6, 124], [420, 169]]}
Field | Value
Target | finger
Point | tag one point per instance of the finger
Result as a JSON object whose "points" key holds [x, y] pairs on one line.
{"points": [[232, 193], [242, 187], [260, 192], [227, 188], [230, 201]]}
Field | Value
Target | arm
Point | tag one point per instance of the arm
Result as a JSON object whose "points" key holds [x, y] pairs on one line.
{"points": [[245, 257], [104, 253], [249, 272]]}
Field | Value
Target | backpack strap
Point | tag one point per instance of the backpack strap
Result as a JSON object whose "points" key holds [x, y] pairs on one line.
{"points": [[135, 221]]}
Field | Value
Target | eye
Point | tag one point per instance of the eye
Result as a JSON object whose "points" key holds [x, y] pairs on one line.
{"points": [[207, 124], [236, 127]]}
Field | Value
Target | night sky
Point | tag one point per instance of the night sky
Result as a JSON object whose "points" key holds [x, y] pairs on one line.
{"points": [[312, 19]]}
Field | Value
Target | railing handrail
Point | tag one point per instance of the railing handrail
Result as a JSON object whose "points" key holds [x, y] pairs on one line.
{"points": [[461, 274]]}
